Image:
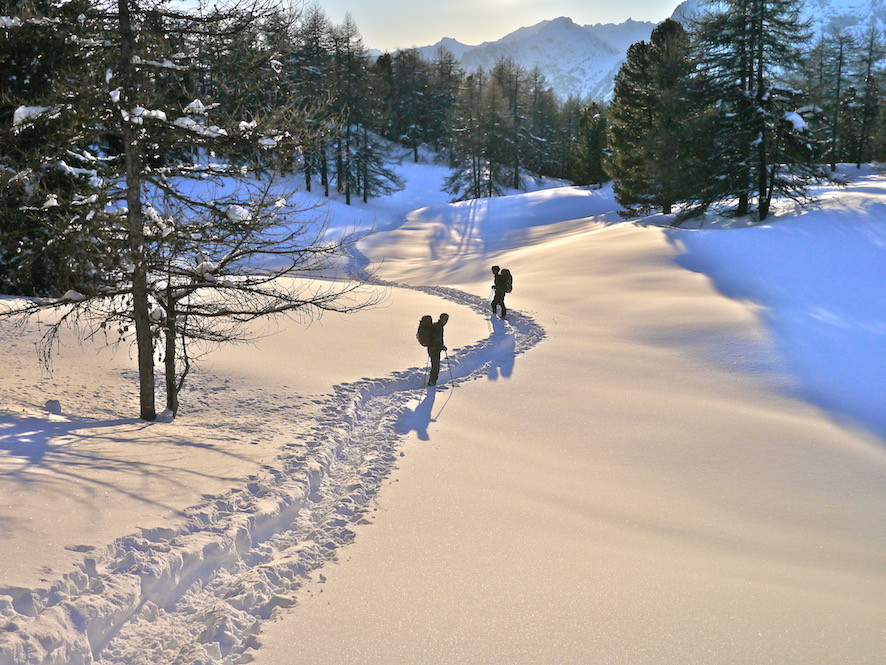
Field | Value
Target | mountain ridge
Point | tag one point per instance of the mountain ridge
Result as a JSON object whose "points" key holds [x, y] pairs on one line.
{"points": [[582, 60]]}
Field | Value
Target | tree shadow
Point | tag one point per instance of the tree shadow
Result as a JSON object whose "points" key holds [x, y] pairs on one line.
{"points": [[827, 324], [83, 460]]}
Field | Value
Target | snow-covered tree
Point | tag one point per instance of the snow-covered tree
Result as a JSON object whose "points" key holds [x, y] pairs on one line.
{"points": [[747, 49], [42, 252], [411, 100], [203, 243]]}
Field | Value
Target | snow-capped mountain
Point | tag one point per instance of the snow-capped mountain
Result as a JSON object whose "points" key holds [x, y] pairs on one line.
{"points": [[578, 60], [582, 60]]}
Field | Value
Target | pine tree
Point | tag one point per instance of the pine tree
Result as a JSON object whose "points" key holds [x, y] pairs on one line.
{"points": [[543, 131], [873, 52], [590, 147], [310, 72], [840, 47], [647, 144], [411, 99], [45, 247], [747, 48], [476, 169], [447, 78]]}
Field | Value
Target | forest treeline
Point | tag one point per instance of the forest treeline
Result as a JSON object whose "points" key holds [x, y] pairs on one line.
{"points": [[740, 106]]}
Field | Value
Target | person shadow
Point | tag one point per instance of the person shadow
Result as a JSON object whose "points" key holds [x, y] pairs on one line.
{"points": [[503, 350], [420, 418]]}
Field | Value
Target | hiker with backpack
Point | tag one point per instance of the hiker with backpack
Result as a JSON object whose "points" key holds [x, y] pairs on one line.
{"points": [[430, 335], [503, 283]]}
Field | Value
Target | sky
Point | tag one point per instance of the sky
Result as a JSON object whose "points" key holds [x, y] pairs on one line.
{"points": [[390, 24]]}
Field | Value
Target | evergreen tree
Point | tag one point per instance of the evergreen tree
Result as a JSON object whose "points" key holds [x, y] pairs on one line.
{"points": [[647, 144], [45, 246], [543, 130], [839, 50], [476, 171], [447, 77], [411, 99], [590, 147], [870, 79], [310, 66], [747, 48], [359, 155]]}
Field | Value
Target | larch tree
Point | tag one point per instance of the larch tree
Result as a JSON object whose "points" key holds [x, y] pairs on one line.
{"points": [[205, 243]]}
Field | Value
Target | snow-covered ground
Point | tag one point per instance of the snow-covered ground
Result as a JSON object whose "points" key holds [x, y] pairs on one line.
{"points": [[672, 452]]}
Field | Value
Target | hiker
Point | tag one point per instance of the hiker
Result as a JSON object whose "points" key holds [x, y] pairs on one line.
{"points": [[434, 337], [502, 283]]}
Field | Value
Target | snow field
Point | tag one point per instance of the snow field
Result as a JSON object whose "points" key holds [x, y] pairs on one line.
{"points": [[647, 487], [198, 593]]}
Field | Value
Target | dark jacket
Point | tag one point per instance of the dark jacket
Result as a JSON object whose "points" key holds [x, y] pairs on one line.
{"points": [[437, 335]]}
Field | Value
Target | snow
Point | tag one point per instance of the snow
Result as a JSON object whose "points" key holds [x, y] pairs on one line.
{"points": [[796, 120], [196, 107], [238, 213], [25, 114], [671, 452]]}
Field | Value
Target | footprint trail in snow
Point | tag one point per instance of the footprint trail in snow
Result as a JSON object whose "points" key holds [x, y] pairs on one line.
{"points": [[200, 592]]}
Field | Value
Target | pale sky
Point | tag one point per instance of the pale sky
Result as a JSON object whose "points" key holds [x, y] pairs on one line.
{"points": [[392, 24]]}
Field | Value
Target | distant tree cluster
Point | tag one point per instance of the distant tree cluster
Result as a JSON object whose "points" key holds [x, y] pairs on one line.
{"points": [[739, 108], [495, 128]]}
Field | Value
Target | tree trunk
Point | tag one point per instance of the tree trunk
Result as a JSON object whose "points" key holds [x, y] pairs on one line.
{"points": [[169, 360], [835, 127], [308, 171], [743, 204], [132, 151], [324, 168], [764, 186], [347, 164]]}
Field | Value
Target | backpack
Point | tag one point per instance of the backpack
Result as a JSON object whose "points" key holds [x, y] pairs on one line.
{"points": [[508, 280], [425, 330]]}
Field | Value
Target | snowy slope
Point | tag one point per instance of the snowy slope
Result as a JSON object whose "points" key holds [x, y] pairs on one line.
{"points": [[645, 486], [642, 464]]}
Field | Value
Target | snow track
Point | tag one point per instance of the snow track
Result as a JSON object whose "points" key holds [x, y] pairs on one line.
{"points": [[198, 594]]}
